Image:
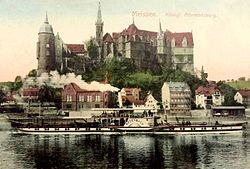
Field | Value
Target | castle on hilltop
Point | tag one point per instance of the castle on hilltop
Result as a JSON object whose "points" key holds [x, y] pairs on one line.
{"points": [[147, 50]]}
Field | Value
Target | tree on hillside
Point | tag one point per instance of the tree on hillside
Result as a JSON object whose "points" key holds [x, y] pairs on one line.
{"points": [[2, 96], [93, 50], [229, 93], [50, 94], [32, 73], [242, 79], [118, 71], [93, 61], [18, 83], [147, 82], [46, 94], [142, 80]]}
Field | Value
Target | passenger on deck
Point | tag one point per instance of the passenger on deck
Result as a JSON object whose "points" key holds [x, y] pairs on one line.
{"points": [[217, 123]]}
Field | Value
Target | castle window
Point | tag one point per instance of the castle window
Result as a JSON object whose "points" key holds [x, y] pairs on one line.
{"points": [[47, 45], [173, 42], [184, 42]]}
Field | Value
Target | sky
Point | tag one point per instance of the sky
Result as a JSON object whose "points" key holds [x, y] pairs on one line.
{"points": [[221, 29]]}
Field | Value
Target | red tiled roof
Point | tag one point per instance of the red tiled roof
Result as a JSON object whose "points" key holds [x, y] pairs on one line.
{"points": [[179, 38], [133, 30], [9, 98], [78, 89], [107, 38], [132, 100], [76, 48], [130, 90], [244, 92], [31, 91], [139, 102], [116, 35], [207, 90]]}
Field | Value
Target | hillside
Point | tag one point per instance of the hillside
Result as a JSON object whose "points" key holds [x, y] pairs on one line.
{"points": [[240, 84]]}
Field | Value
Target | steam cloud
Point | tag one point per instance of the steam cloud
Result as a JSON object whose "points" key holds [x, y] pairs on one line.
{"points": [[59, 81]]}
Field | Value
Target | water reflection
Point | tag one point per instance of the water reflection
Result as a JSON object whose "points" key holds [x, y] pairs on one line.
{"points": [[130, 151]]}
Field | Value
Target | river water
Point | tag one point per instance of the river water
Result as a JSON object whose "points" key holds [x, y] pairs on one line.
{"points": [[129, 151]]}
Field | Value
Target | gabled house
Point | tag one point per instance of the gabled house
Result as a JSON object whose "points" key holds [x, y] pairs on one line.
{"points": [[207, 96], [130, 97], [151, 102], [243, 97], [30, 94], [76, 98]]}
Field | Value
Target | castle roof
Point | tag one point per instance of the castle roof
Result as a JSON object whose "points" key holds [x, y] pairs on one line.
{"points": [[133, 30], [76, 48], [178, 37], [168, 35], [108, 38], [46, 27]]}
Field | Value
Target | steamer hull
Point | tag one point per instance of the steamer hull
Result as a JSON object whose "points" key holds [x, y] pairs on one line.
{"points": [[159, 130]]}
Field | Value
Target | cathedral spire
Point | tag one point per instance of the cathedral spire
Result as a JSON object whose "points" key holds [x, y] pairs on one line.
{"points": [[46, 18], [160, 30], [99, 14], [99, 27]]}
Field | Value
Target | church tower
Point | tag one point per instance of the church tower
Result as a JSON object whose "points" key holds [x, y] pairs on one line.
{"points": [[160, 40], [46, 48], [161, 52], [99, 27]]}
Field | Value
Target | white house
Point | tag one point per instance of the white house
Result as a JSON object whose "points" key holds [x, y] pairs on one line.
{"points": [[207, 96], [243, 97], [151, 102], [238, 98]]}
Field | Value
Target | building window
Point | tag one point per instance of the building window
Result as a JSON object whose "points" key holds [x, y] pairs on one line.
{"points": [[184, 42], [81, 98], [89, 98], [47, 45], [68, 106], [97, 98], [173, 42], [69, 98], [47, 53]]}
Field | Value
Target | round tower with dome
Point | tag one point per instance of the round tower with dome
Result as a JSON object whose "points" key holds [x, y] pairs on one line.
{"points": [[46, 48]]}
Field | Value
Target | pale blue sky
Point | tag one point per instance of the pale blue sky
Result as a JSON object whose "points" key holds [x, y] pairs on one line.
{"points": [[220, 41], [19, 8]]}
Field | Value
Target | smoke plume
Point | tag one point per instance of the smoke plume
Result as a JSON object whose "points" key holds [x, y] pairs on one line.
{"points": [[56, 80]]}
